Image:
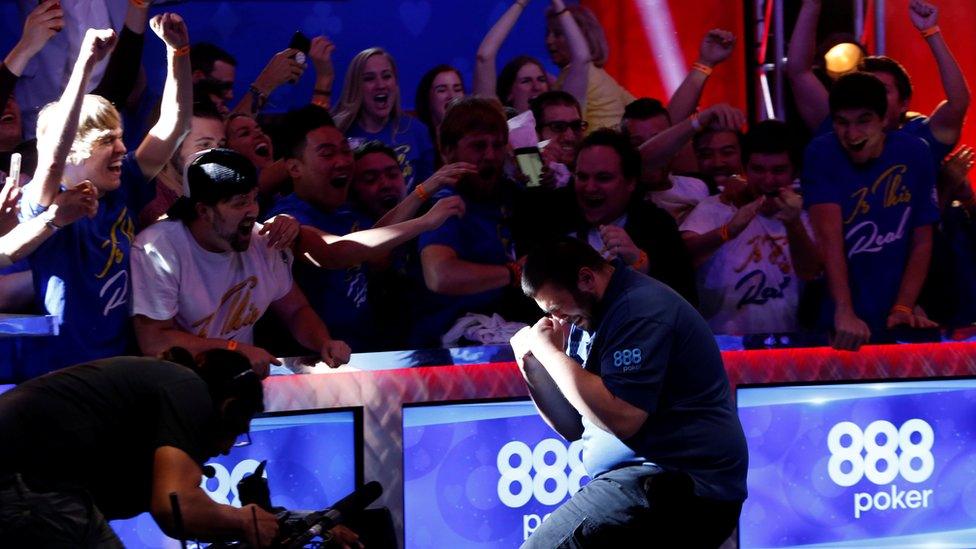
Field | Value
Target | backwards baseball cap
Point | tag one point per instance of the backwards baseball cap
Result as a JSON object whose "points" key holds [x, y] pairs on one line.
{"points": [[212, 176]]}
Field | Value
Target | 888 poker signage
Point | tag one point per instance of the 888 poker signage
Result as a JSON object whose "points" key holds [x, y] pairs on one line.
{"points": [[482, 475], [861, 465]]}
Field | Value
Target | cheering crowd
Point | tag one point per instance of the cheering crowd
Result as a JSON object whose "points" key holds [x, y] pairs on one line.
{"points": [[194, 218]]}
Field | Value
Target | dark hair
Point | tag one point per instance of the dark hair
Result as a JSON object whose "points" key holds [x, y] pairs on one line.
{"points": [[551, 98], [228, 375], [630, 160], [472, 115], [508, 74], [887, 65], [558, 263], [203, 107], [645, 108], [699, 137], [859, 90], [212, 177], [375, 146], [298, 123], [203, 55], [769, 137], [422, 100]]}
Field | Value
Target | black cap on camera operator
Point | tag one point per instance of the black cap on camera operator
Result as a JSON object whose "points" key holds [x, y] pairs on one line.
{"points": [[114, 438]]}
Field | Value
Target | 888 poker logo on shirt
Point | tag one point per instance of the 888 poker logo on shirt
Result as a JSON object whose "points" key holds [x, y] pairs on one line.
{"points": [[483, 475]]}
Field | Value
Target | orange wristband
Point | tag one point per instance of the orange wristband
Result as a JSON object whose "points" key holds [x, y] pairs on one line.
{"points": [[902, 309], [180, 52], [723, 231], [933, 30], [642, 260], [514, 273], [421, 193], [702, 68], [141, 3], [231, 345]]}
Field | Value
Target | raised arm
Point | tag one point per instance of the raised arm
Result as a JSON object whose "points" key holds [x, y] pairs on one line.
{"points": [[947, 118], [320, 53], [123, 65], [446, 175], [716, 47], [809, 94], [280, 69], [659, 149], [53, 146], [176, 108], [580, 57], [484, 66], [46, 20], [339, 252]]}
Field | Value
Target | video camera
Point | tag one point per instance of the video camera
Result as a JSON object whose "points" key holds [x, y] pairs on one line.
{"points": [[300, 529]]}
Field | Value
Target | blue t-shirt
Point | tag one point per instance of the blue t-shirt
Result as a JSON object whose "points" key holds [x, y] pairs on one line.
{"points": [[654, 351], [411, 142], [338, 296], [482, 235], [917, 126], [81, 276], [881, 202], [920, 128]]}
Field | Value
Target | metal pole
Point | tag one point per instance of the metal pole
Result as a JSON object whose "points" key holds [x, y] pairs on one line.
{"points": [[879, 26], [760, 12], [779, 63]]}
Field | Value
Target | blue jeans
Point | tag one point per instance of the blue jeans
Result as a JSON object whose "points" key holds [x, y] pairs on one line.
{"points": [[637, 506], [56, 519]]}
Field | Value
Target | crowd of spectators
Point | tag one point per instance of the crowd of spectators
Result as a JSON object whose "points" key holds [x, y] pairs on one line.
{"points": [[354, 225]]}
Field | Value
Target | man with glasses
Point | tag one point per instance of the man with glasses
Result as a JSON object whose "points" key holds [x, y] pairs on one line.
{"points": [[559, 120], [116, 437]]}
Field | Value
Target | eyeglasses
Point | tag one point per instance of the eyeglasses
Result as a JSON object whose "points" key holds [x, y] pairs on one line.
{"points": [[559, 126]]}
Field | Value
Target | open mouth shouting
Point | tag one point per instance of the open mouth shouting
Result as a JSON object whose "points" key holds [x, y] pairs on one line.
{"points": [[245, 226], [592, 202], [856, 146], [340, 181], [382, 101], [115, 167], [262, 149]]}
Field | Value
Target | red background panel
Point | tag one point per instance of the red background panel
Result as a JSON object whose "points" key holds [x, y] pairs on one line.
{"points": [[634, 66]]}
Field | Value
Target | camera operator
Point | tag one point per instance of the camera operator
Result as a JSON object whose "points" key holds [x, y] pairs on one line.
{"points": [[116, 437]]}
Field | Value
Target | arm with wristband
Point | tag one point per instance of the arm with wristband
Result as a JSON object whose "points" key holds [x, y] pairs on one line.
{"points": [[447, 175], [176, 108], [485, 76], [716, 47], [947, 118], [577, 78]]}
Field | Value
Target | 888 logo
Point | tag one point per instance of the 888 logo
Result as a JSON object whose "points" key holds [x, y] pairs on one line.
{"points": [[540, 472], [881, 453], [224, 481]]}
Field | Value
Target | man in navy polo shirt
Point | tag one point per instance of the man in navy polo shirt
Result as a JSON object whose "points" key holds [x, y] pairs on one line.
{"points": [[651, 403]]}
